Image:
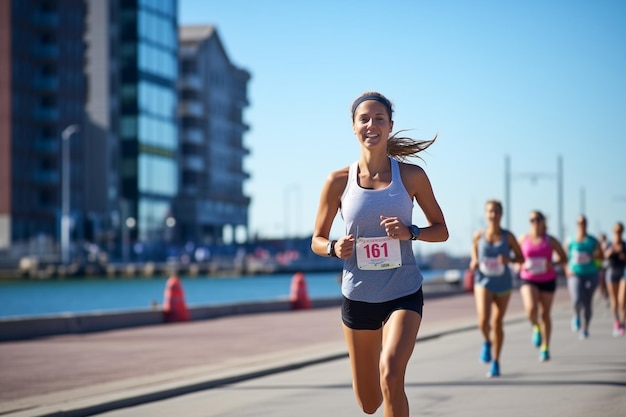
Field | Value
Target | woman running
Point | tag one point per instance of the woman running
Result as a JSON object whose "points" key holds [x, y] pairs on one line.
{"points": [[491, 255], [539, 279], [584, 254]]}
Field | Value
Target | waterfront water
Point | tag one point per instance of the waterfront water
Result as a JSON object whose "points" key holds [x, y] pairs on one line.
{"points": [[29, 298]]}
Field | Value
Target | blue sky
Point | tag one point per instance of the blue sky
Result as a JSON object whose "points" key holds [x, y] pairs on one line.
{"points": [[534, 80]]}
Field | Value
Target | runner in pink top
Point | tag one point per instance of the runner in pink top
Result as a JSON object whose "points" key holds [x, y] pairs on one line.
{"points": [[539, 279]]}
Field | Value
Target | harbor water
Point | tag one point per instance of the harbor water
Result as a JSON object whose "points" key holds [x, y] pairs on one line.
{"points": [[34, 298]]}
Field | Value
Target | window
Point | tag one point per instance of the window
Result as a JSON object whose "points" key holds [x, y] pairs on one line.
{"points": [[157, 175]]}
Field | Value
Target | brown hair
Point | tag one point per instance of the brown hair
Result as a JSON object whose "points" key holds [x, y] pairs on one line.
{"points": [[496, 203], [543, 225], [539, 214], [398, 147]]}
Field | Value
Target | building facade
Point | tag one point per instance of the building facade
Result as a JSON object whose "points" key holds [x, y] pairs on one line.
{"points": [[153, 147], [102, 125], [132, 68], [148, 119], [42, 93], [212, 207]]}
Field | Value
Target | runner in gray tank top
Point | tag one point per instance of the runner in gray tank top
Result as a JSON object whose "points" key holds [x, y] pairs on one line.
{"points": [[382, 285], [493, 249], [361, 210]]}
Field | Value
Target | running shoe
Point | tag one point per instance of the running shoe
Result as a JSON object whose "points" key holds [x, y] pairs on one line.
{"points": [[575, 323], [544, 355], [536, 336], [485, 353], [495, 370], [617, 329], [584, 334], [622, 329]]}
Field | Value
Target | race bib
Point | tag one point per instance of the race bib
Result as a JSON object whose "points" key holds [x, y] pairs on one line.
{"points": [[491, 266], [377, 253], [581, 258], [536, 265]]}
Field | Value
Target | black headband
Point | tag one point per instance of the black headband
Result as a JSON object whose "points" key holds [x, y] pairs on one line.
{"points": [[379, 99]]}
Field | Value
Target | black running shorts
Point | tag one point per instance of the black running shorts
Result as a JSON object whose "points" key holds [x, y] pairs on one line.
{"points": [[359, 315]]}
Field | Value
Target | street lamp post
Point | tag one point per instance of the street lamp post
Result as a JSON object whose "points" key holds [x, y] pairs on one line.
{"points": [[65, 190], [534, 176]]}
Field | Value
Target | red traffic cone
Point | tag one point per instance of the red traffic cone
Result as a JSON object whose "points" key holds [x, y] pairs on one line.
{"points": [[174, 307], [298, 295]]}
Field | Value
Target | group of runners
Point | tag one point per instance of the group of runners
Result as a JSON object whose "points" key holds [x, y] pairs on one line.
{"points": [[538, 259]]}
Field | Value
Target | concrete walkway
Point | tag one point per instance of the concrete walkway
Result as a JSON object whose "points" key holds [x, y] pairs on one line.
{"points": [[294, 363]]}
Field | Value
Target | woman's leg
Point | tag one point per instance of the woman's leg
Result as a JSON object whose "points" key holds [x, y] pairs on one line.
{"points": [[622, 300], [545, 302], [612, 287], [574, 285], [483, 298], [590, 283], [530, 297], [399, 334], [364, 349], [614, 302], [500, 304]]}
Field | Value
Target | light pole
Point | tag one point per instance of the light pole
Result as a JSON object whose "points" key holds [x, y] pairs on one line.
{"points": [[65, 190], [534, 176]]}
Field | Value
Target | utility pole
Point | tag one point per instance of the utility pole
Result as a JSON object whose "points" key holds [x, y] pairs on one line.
{"points": [[65, 191], [534, 176]]}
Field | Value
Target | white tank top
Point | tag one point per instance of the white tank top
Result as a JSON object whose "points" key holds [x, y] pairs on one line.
{"points": [[361, 210]]}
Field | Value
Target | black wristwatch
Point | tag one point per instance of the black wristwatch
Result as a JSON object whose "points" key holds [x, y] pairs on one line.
{"points": [[415, 231], [330, 249]]}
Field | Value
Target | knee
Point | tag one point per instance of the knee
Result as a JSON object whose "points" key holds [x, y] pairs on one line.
{"points": [[483, 322], [531, 312], [498, 324], [392, 382]]}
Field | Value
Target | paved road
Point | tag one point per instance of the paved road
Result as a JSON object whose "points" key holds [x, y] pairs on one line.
{"points": [[294, 363], [584, 379]]}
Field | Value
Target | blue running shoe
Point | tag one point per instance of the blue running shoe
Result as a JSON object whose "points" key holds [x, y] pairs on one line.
{"points": [[495, 370], [584, 334], [575, 323], [544, 355], [536, 336], [485, 353]]}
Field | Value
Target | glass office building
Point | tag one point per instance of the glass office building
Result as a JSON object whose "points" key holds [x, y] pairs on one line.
{"points": [[148, 59]]}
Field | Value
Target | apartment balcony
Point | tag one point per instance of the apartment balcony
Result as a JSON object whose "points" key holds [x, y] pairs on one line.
{"points": [[190, 82], [47, 83], [47, 114], [47, 146], [46, 177], [187, 51], [192, 190], [232, 195], [191, 108], [193, 135], [46, 19], [194, 163], [50, 51]]}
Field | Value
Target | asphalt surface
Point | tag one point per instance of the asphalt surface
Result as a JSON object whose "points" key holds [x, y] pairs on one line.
{"points": [[295, 363]]}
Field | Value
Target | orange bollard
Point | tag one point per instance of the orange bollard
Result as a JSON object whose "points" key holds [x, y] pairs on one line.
{"points": [[174, 307], [298, 295]]}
